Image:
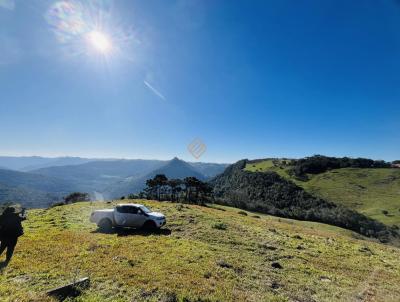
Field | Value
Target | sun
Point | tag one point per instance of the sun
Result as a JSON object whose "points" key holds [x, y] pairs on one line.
{"points": [[99, 41]]}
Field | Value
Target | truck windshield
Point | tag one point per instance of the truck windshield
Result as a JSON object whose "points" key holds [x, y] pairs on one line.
{"points": [[144, 209]]}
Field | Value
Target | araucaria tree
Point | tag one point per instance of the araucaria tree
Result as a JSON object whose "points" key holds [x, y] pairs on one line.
{"points": [[155, 185], [175, 186], [190, 189]]}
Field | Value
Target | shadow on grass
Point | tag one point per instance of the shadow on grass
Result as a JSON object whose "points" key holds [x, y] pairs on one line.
{"points": [[3, 265], [135, 232]]}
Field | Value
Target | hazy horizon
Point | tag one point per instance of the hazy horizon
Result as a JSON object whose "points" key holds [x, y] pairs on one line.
{"points": [[112, 158], [187, 159]]}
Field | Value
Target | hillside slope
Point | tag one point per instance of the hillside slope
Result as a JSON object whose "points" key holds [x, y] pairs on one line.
{"points": [[31, 189], [368, 191], [209, 170], [270, 193], [26, 197], [202, 254]]}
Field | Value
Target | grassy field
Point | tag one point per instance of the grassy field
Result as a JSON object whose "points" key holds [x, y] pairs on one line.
{"points": [[268, 165], [202, 254], [373, 192]]}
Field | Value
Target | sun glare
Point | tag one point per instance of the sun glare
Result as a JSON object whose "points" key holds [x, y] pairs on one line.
{"points": [[100, 41], [88, 28]]}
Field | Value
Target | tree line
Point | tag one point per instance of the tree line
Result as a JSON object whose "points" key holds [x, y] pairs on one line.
{"points": [[319, 164], [189, 190]]}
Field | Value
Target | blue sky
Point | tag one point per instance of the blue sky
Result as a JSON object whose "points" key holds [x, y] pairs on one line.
{"points": [[251, 79]]}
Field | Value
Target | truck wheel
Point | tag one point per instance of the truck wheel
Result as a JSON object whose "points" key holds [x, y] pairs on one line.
{"points": [[105, 225], [149, 225]]}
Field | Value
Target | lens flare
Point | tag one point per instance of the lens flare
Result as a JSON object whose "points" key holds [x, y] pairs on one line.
{"points": [[67, 20], [90, 28]]}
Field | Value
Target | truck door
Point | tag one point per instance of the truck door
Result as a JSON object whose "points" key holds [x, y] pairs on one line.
{"points": [[134, 217], [121, 215]]}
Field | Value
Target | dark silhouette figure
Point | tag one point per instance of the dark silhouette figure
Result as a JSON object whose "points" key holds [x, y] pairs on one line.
{"points": [[10, 230]]}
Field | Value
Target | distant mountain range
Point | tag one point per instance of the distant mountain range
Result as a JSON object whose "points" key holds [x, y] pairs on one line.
{"points": [[29, 163], [39, 182], [97, 175]]}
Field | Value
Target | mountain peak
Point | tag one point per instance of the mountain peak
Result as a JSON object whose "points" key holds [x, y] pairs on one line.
{"points": [[176, 162]]}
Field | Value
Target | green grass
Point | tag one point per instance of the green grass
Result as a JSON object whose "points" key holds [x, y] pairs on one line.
{"points": [[274, 165], [192, 260], [368, 191]]}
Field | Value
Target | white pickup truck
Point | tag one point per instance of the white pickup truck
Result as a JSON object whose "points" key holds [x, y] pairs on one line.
{"points": [[128, 215]]}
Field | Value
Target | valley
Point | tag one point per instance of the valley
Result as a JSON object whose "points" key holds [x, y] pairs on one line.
{"points": [[106, 178]]}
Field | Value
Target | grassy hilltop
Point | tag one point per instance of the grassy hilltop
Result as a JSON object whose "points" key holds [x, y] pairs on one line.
{"points": [[203, 254], [372, 192]]}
